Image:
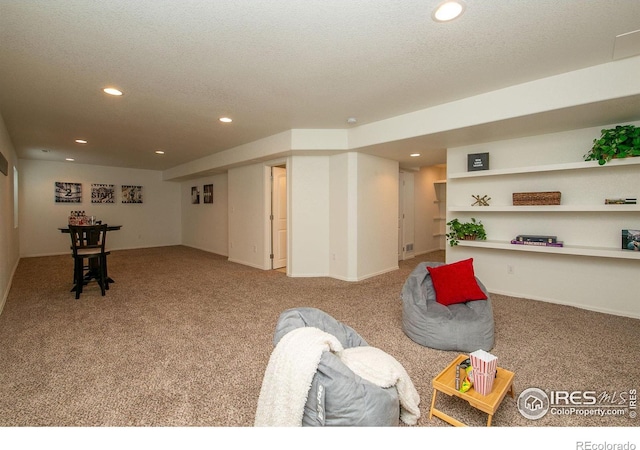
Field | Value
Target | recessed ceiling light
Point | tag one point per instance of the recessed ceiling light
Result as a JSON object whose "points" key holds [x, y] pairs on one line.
{"points": [[160, 152], [352, 120], [112, 91], [414, 155], [225, 119], [69, 159], [81, 141], [448, 10]]}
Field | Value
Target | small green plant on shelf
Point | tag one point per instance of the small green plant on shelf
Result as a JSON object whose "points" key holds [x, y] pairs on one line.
{"points": [[620, 142], [469, 231]]}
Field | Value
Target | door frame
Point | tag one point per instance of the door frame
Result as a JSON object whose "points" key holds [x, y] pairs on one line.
{"points": [[268, 186], [274, 216]]}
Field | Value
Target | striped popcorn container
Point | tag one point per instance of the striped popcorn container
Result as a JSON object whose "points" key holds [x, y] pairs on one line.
{"points": [[484, 366]]}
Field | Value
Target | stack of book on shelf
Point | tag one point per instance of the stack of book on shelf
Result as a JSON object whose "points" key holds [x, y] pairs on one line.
{"points": [[531, 239], [621, 201]]}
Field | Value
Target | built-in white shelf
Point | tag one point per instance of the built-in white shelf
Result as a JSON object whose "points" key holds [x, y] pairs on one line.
{"points": [[547, 208], [600, 252], [440, 187], [547, 168]]}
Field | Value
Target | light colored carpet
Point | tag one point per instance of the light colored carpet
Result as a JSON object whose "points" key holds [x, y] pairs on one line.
{"points": [[183, 338]]}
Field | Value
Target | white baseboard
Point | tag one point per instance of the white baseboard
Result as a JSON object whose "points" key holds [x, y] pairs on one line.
{"points": [[246, 263], [8, 289], [341, 278], [208, 250], [429, 251], [364, 277], [575, 305]]}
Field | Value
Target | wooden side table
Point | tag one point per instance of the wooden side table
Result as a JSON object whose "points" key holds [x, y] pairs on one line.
{"points": [[445, 383]]}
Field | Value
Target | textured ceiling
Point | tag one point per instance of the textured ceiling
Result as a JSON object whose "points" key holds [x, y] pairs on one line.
{"points": [[270, 65]]}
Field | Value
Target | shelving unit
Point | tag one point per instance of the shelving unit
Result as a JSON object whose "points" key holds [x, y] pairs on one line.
{"points": [[592, 270], [547, 168], [578, 212], [548, 208], [566, 250], [440, 219]]}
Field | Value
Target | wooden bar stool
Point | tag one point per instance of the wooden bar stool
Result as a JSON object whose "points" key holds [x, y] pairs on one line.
{"points": [[88, 244]]}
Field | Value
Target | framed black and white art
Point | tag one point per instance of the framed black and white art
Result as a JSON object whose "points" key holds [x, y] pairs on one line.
{"points": [[68, 192], [207, 193], [131, 194]]}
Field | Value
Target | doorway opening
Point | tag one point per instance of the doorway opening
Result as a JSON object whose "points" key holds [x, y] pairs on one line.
{"points": [[278, 218], [406, 231]]}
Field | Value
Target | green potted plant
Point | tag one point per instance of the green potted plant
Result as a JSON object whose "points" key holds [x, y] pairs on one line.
{"points": [[465, 230], [619, 142]]}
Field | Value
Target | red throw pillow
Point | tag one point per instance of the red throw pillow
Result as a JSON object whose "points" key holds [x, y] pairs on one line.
{"points": [[455, 283]]}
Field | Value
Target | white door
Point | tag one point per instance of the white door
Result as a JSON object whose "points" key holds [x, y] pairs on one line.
{"points": [[279, 217]]}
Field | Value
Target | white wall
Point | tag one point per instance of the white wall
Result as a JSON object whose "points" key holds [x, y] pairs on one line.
{"points": [[206, 225], [155, 222], [377, 227], [342, 231], [247, 211], [9, 235], [601, 284], [309, 211], [364, 216], [342, 215]]}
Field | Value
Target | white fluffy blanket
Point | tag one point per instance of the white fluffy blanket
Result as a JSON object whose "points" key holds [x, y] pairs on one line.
{"points": [[289, 374], [294, 362]]}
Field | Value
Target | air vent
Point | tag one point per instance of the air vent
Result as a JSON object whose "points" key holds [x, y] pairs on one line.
{"points": [[409, 247]]}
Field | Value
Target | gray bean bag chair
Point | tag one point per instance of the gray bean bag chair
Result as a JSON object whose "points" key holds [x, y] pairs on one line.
{"points": [[338, 397], [464, 327]]}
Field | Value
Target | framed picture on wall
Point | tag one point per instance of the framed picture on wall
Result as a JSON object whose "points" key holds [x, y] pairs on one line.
{"points": [[207, 193], [68, 192], [103, 193], [131, 194], [477, 161], [195, 195]]}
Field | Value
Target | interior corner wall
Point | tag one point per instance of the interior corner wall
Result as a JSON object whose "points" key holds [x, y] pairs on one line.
{"points": [[9, 234], [205, 226], [247, 212], [343, 202], [363, 225], [377, 215], [153, 223], [309, 213]]}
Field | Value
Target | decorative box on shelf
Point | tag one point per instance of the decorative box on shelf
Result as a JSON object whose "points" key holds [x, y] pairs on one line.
{"points": [[536, 198]]}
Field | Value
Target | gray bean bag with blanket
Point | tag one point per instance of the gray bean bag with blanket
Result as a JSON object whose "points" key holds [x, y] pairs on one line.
{"points": [[464, 327], [339, 397]]}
